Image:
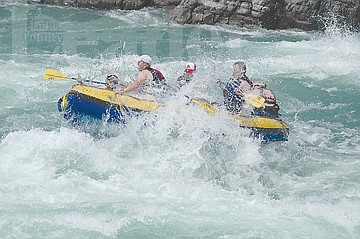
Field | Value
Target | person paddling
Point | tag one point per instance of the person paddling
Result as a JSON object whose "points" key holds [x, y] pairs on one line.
{"points": [[187, 76], [111, 82], [147, 79], [269, 108], [238, 85]]}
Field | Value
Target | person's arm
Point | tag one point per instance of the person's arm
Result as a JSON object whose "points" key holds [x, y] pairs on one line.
{"points": [[79, 80], [137, 83], [221, 84], [103, 87], [124, 84], [180, 78]]}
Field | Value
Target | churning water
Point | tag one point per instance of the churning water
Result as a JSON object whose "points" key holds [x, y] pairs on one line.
{"points": [[182, 174]]}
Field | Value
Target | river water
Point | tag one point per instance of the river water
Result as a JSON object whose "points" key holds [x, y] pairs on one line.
{"points": [[182, 173]]}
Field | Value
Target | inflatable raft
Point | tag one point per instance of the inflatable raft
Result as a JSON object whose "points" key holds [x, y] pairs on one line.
{"points": [[94, 103], [267, 129]]}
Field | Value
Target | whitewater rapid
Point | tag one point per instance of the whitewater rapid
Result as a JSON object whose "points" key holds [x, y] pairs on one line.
{"points": [[179, 172]]}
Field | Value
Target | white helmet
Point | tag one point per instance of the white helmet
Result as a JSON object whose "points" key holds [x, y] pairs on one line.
{"points": [[190, 67], [145, 58]]}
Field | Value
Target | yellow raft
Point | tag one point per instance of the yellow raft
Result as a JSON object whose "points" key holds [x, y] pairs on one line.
{"points": [[86, 101], [265, 128]]}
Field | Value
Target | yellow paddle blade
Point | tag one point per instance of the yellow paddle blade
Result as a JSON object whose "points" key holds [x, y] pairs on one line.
{"points": [[51, 74], [210, 109], [255, 100]]}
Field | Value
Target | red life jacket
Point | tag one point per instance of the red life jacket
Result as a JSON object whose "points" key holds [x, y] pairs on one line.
{"points": [[158, 77], [161, 76]]}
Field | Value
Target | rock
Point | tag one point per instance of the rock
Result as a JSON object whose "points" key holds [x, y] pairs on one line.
{"points": [[269, 14]]}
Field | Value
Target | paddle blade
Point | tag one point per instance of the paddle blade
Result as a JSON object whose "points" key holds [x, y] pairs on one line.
{"points": [[255, 100], [210, 109], [51, 74]]}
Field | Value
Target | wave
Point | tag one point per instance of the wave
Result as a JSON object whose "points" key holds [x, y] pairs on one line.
{"points": [[148, 17]]}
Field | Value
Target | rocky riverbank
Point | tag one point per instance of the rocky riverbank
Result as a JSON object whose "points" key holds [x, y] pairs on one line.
{"points": [[269, 14]]}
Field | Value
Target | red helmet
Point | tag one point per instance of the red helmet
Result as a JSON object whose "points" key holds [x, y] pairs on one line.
{"points": [[190, 67]]}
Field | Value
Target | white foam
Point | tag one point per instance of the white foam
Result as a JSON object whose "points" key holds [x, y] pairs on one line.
{"points": [[185, 169], [148, 17]]}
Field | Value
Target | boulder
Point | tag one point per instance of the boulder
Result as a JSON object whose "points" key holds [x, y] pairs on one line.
{"points": [[269, 14]]}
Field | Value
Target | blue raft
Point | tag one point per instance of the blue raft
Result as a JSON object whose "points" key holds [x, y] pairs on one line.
{"points": [[99, 104], [86, 102]]}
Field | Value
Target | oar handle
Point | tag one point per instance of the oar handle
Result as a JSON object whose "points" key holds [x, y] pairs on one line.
{"points": [[90, 81]]}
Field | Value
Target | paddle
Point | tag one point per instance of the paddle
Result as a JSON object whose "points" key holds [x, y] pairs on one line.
{"points": [[209, 108], [51, 74], [254, 100]]}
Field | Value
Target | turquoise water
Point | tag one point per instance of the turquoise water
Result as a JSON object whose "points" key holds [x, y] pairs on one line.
{"points": [[186, 174]]}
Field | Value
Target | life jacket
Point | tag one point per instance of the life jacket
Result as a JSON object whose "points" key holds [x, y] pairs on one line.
{"points": [[182, 81], [235, 83], [183, 78], [247, 79], [271, 111], [158, 77]]}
